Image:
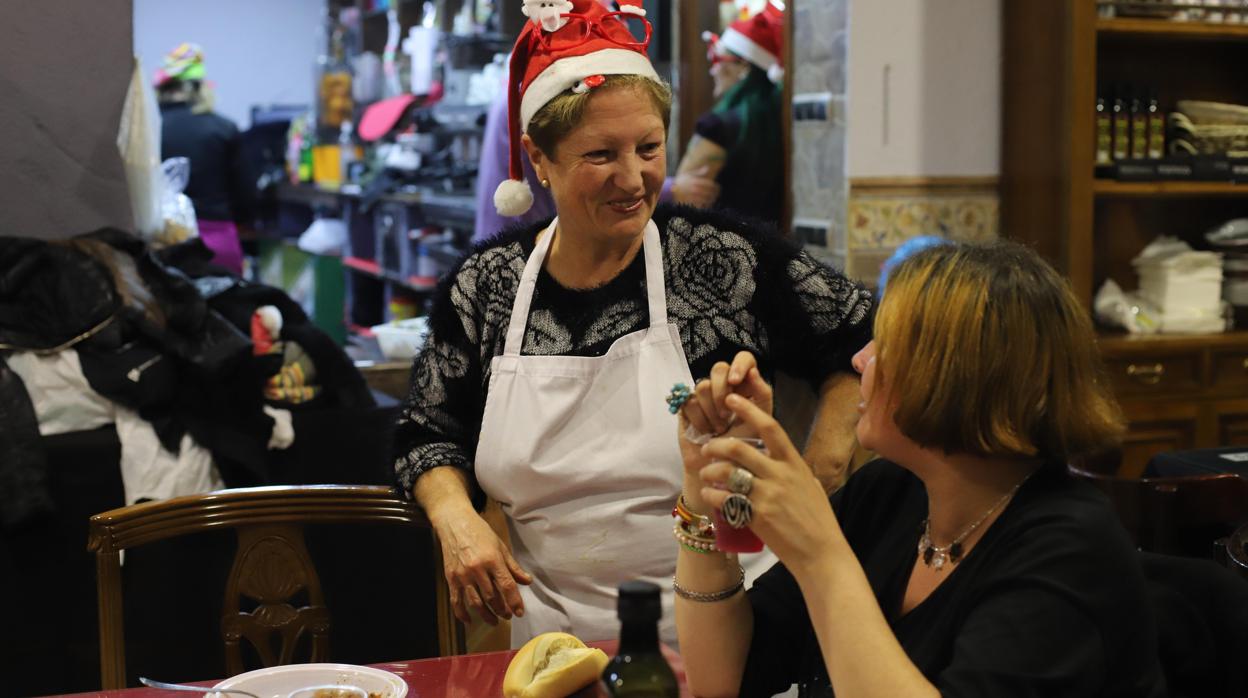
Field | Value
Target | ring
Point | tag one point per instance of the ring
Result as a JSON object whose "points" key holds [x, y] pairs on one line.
{"points": [[678, 397], [737, 510], [740, 481]]}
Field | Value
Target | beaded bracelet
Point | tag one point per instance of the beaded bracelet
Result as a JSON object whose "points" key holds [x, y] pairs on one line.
{"points": [[713, 596], [691, 541]]}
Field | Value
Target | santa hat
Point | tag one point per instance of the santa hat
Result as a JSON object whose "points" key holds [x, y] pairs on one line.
{"points": [[567, 44], [759, 40]]}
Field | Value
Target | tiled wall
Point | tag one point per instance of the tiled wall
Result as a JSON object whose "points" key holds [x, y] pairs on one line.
{"points": [[857, 225], [820, 191], [882, 216]]}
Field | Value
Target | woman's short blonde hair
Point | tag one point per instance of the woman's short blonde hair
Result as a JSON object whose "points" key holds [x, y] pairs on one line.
{"points": [[985, 350], [560, 115]]}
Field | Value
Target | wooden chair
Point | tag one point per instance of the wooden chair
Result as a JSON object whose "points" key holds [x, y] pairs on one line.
{"points": [[1175, 515], [1235, 547], [271, 565]]}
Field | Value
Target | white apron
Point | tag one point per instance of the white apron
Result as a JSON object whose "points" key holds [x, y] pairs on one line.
{"points": [[581, 453]]}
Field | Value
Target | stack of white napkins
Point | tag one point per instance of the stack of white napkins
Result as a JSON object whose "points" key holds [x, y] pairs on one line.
{"points": [[1183, 285]]}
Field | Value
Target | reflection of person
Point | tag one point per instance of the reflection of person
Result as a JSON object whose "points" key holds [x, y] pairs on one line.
{"points": [[190, 129], [542, 380], [967, 563], [740, 141]]}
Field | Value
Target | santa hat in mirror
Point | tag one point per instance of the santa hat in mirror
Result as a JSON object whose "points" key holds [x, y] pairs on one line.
{"points": [[565, 45], [758, 39]]}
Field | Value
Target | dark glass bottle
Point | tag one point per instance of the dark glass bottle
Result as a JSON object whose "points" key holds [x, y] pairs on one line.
{"points": [[638, 670]]}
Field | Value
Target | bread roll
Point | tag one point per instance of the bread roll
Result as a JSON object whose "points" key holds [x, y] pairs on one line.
{"points": [[552, 665]]}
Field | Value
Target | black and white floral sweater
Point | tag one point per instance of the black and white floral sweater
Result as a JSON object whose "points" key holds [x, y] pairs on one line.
{"points": [[732, 285]]}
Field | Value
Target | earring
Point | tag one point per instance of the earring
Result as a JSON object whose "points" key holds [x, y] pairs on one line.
{"points": [[546, 183]]}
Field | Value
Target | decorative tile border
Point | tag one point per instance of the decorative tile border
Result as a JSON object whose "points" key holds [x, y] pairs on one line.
{"points": [[883, 213]]}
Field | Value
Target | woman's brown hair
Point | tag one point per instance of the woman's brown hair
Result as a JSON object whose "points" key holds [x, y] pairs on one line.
{"points": [[558, 117], [986, 351]]}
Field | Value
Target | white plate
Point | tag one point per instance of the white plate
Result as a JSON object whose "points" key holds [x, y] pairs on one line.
{"points": [[278, 681]]}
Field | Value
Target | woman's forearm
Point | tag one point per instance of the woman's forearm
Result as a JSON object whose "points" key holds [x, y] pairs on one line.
{"points": [[860, 651], [714, 636], [443, 492], [832, 440]]}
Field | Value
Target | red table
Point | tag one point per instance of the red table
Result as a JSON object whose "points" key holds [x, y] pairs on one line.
{"points": [[465, 676]]}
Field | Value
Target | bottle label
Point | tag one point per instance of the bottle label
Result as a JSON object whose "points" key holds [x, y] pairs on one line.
{"points": [[1104, 140], [1122, 138], [1156, 137]]}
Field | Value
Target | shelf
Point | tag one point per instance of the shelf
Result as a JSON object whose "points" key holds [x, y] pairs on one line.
{"points": [[1109, 188], [1163, 29], [420, 284]]}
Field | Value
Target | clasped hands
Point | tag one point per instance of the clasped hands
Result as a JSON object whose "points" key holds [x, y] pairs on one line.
{"points": [[790, 510]]}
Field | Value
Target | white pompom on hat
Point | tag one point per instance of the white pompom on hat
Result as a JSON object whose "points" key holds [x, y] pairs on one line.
{"points": [[589, 41]]}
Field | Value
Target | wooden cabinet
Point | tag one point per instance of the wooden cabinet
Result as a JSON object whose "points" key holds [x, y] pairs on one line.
{"points": [[1178, 392]]}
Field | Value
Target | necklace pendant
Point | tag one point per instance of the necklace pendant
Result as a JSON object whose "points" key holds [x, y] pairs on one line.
{"points": [[938, 561], [955, 552], [928, 552]]}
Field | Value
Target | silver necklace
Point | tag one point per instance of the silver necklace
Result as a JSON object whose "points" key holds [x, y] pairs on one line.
{"points": [[935, 556]]}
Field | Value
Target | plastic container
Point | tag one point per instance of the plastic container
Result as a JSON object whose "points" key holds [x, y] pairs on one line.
{"points": [[402, 340]]}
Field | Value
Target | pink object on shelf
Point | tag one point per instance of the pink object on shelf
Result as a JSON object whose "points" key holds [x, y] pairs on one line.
{"points": [[379, 118]]}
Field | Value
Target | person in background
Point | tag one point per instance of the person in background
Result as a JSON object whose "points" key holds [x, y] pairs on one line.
{"points": [[740, 141], [542, 382], [693, 188], [189, 128], [966, 562]]}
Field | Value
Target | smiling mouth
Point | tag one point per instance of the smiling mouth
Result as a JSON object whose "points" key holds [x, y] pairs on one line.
{"points": [[625, 205]]}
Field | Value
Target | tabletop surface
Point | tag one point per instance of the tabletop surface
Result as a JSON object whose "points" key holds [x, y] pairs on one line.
{"points": [[464, 676]]}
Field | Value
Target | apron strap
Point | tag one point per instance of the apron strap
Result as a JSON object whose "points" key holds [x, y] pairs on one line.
{"points": [[656, 293]]}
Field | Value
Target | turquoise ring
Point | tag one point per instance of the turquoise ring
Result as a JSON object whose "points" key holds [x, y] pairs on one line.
{"points": [[678, 397]]}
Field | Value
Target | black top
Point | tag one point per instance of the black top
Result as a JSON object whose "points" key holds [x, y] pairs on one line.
{"points": [[210, 142], [731, 287], [749, 186], [1050, 602]]}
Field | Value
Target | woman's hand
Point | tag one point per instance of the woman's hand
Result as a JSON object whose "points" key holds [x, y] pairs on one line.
{"points": [[696, 188], [790, 511], [706, 410], [480, 571], [707, 413]]}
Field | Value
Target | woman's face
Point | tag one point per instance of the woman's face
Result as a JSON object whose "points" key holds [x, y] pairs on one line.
{"points": [[876, 429], [606, 174], [725, 73]]}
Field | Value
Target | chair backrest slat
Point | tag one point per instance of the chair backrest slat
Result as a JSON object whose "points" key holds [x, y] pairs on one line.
{"points": [[1156, 511]]}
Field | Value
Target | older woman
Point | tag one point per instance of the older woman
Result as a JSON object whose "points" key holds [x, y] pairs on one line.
{"points": [[966, 564], [551, 347]]}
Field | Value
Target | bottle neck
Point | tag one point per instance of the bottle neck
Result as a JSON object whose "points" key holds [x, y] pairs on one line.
{"points": [[639, 637]]}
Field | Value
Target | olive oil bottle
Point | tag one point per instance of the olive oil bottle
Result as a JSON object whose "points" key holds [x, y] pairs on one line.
{"points": [[638, 670]]}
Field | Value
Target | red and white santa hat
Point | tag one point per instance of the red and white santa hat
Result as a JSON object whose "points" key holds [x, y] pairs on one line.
{"points": [[567, 44], [758, 39]]}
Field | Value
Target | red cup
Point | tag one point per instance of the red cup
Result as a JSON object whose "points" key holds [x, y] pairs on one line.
{"points": [[738, 540]]}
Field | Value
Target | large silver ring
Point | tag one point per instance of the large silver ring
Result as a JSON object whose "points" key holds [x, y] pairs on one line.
{"points": [[737, 510], [740, 481]]}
